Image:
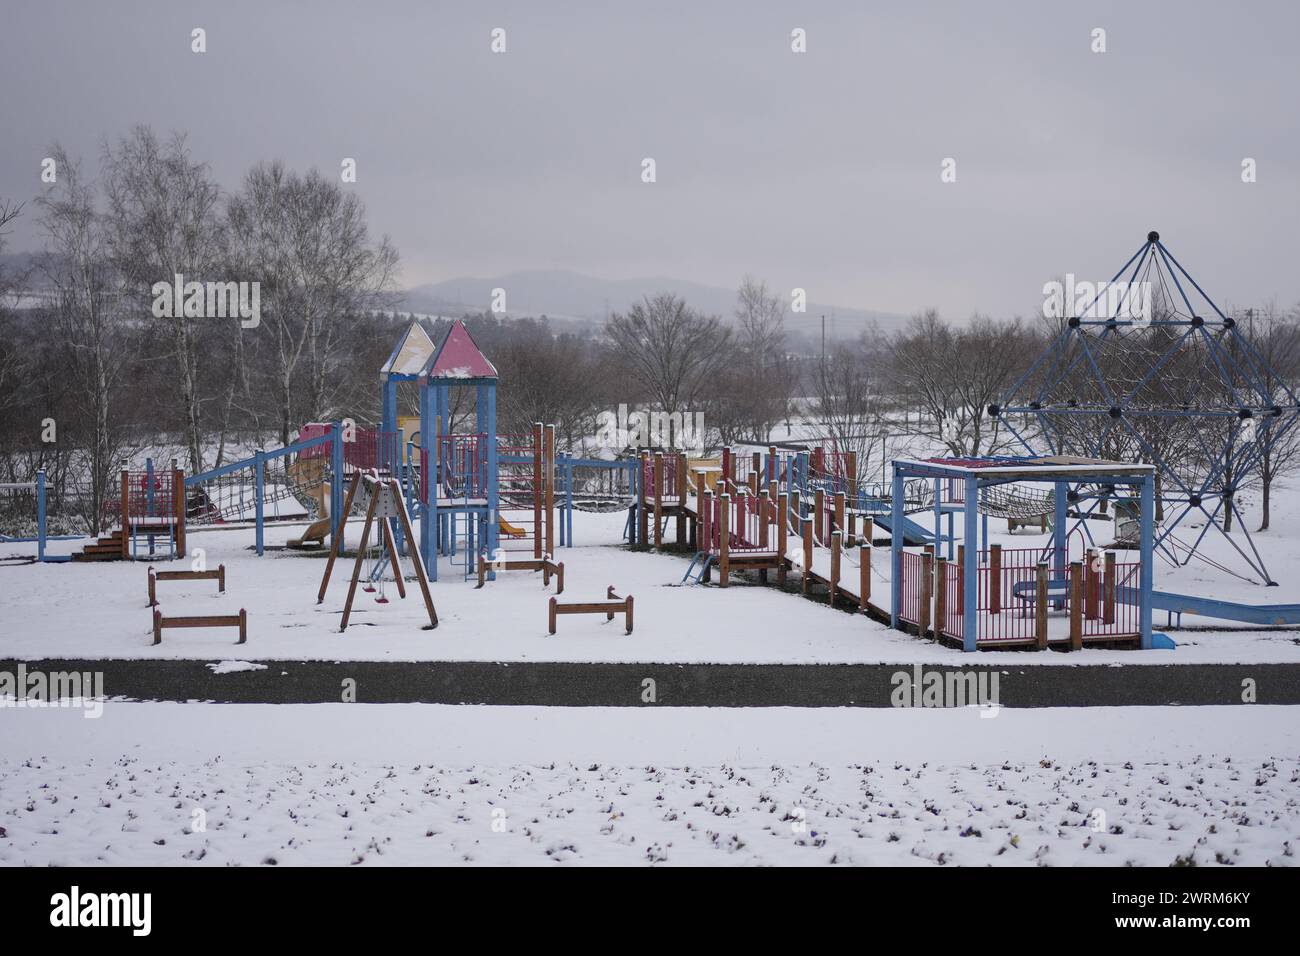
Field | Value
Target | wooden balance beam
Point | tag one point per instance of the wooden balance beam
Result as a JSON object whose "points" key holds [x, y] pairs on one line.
{"points": [[239, 620], [614, 605], [218, 575], [545, 565]]}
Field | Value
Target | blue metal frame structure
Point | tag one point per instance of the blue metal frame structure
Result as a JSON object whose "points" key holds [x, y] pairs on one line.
{"points": [[1185, 391], [1091, 480]]}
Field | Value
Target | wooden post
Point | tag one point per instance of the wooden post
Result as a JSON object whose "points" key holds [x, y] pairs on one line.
{"points": [[927, 592], [940, 595], [548, 470], [335, 538], [995, 579], [764, 512], [724, 540], [361, 557], [706, 522], [782, 527], [1108, 602], [864, 576], [178, 499], [755, 466], [153, 588], [551, 617], [727, 469], [961, 579], [538, 455], [819, 516], [807, 553], [417, 559], [1040, 606], [1092, 586], [1076, 605], [868, 531], [642, 509], [126, 514], [659, 498], [835, 563], [839, 511], [679, 492]]}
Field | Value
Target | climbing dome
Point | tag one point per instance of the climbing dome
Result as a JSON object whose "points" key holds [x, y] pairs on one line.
{"points": [[1155, 372]]}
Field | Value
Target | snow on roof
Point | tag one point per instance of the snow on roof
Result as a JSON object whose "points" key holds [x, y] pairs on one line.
{"points": [[412, 352], [458, 357], [1040, 467]]}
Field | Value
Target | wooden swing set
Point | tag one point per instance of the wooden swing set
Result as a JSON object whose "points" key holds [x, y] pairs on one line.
{"points": [[382, 499]]}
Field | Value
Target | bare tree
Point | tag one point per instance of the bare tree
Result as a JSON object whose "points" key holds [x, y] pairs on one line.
{"points": [[1276, 340], [306, 241], [163, 221], [671, 350], [762, 379], [952, 375], [845, 402], [11, 354], [86, 314]]}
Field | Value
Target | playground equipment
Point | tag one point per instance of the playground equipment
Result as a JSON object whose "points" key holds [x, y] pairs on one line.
{"points": [[548, 568], [307, 477], [219, 575], [150, 517], [382, 499], [239, 620], [802, 512], [37, 490], [973, 599], [613, 604], [1185, 390]]}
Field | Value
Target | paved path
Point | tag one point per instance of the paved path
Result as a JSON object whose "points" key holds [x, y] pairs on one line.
{"points": [[675, 685]]}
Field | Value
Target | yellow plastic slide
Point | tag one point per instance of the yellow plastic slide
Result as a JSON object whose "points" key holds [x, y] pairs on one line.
{"points": [[307, 474], [509, 530]]}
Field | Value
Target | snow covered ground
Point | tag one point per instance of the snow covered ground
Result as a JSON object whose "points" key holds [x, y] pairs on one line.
{"points": [[98, 611], [173, 784]]}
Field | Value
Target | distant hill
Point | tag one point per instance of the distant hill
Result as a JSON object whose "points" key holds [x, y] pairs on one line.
{"points": [[571, 295]]}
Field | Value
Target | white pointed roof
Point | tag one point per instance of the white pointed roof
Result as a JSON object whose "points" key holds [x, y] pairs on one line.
{"points": [[412, 352]]}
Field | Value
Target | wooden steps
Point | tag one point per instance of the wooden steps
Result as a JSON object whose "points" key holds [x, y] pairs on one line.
{"points": [[104, 549]]}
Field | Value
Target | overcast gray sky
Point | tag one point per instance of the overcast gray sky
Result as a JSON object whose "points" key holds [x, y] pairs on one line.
{"points": [[819, 170]]}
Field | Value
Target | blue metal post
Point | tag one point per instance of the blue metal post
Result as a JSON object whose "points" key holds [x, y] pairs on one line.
{"points": [[429, 444], [1060, 541], [399, 472], [148, 495], [896, 548], [489, 428], [970, 603], [40, 515], [568, 502], [259, 498], [1146, 574], [338, 520], [938, 519]]}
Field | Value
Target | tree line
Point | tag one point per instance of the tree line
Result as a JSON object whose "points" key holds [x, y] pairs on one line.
{"points": [[89, 373]]}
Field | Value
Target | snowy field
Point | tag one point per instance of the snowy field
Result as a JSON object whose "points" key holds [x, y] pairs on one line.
{"points": [[98, 611], [426, 784]]}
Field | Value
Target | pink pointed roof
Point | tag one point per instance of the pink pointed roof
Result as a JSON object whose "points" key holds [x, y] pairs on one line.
{"points": [[459, 357]]}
